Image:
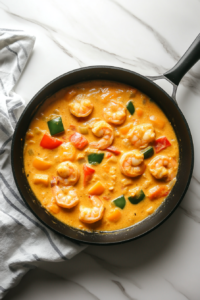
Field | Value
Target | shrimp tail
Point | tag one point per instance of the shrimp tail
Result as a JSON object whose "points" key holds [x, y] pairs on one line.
{"points": [[94, 145], [54, 181], [62, 180]]}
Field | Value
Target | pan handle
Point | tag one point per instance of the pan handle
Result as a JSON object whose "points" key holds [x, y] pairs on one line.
{"points": [[189, 58]]}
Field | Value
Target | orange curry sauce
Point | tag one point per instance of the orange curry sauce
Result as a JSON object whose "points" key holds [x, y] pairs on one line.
{"points": [[107, 181]]}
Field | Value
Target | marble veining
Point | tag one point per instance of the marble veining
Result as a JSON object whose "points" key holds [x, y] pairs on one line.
{"points": [[190, 214], [148, 38], [168, 48], [60, 38], [118, 283], [177, 289]]}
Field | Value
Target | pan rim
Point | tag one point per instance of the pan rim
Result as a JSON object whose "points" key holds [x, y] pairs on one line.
{"points": [[113, 68]]}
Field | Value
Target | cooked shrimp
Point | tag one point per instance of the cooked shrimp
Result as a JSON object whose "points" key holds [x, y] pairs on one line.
{"points": [[68, 172], [68, 200], [81, 108], [115, 112], [163, 167], [67, 152], [141, 135], [94, 214], [104, 130], [132, 163]]}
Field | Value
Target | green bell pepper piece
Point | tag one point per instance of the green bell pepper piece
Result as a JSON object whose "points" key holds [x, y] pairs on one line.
{"points": [[55, 126], [147, 152], [130, 107], [120, 202], [137, 198], [95, 158]]}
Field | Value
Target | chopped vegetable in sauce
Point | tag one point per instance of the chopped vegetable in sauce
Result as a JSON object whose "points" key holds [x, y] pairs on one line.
{"points": [[41, 164], [55, 126], [130, 107], [120, 202], [78, 140], [50, 142], [30, 152], [158, 191], [83, 129], [161, 143], [137, 198], [87, 174], [95, 158], [113, 150], [96, 189], [148, 152]]}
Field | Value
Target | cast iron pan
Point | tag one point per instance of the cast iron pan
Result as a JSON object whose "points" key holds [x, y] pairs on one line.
{"points": [[167, 104]]}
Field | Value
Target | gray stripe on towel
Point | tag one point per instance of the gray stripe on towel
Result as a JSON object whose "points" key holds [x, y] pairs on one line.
{"points": [[4, 129], [39, 226], [2, 149], [16, 56]]}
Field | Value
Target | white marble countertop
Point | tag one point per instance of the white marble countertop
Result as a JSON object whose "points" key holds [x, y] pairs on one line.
{"points": [[147, 37]]}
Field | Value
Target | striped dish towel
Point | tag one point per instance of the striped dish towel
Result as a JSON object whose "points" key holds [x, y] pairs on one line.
{"points": [[24, 241]]}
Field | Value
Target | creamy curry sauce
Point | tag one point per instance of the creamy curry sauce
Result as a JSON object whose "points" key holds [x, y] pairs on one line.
{"points": [[143, 127]]}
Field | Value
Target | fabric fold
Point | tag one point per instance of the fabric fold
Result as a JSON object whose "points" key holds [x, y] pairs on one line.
{"points": [[24, 241]]}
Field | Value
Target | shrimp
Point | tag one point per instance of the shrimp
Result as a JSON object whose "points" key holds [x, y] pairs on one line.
{"points": [[104, 130], [94, 214], [115, 112], [81, 108], [141, 135], [132, 163], [163, 167], [67, 201], [67, 151], [68, 172]]}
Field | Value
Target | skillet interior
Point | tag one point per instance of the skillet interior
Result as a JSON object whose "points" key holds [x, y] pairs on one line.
{"points": [[167, 105]]}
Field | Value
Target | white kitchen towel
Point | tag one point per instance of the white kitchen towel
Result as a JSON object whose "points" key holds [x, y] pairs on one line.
{"points": [[24, 241]]}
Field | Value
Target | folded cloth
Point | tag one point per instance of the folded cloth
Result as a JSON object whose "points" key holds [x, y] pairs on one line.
{"points": [[24, 241]]}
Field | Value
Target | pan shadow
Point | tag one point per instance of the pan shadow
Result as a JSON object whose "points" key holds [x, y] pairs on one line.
{"points": [[144, 250]]}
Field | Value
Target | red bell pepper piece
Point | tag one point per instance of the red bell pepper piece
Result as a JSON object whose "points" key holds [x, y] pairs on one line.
{"points": [[108, 155], [113, 149], [161, 143], [87, 174], [106, 198], [49, 142], [78, 140], [72, 127], [158, 191]]}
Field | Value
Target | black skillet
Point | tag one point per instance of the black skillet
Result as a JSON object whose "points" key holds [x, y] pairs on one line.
{"points": [[168, 105]]}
